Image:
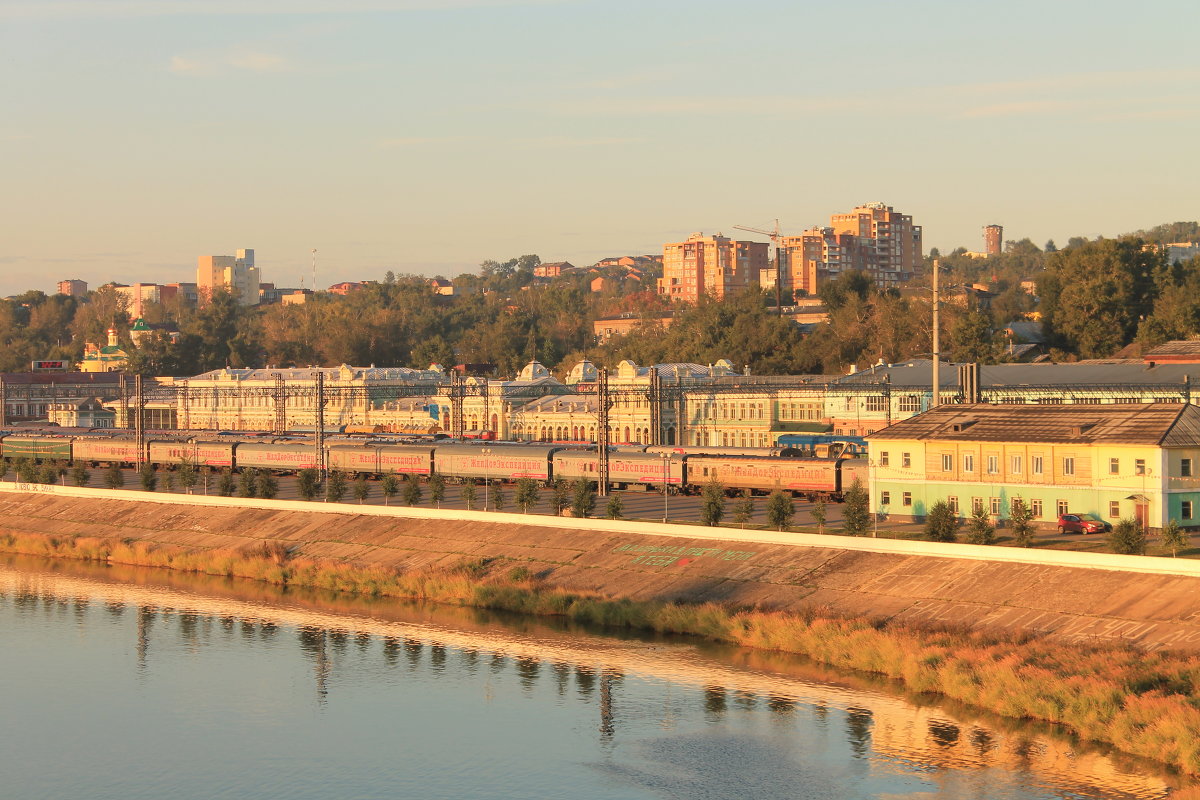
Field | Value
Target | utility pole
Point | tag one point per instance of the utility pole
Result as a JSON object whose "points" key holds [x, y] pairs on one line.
{"points": [[139, 420], [656, 400], [3, 402], [937, 354], [314, 254], [280, 400], [602, 437], [320, 415]]}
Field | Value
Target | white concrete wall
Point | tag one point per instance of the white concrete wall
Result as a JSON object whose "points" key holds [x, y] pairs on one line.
{"points": [[1016, 555]]}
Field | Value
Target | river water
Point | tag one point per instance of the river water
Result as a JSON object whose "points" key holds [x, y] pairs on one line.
{"points": [[131, 683]]}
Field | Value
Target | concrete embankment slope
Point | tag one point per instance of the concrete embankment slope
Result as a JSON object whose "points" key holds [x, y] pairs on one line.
{"points": [[1148, 602]]}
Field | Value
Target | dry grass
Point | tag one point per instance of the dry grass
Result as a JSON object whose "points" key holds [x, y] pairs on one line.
{"points": [[1146, 704]]}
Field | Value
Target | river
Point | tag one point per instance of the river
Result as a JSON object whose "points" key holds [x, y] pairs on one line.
{"points": [[139, 683]]}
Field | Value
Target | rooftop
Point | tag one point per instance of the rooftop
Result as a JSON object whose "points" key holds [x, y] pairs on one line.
{"points": [[1163, 424]]}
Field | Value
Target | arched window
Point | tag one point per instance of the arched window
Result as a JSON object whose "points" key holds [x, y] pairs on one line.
{"points": [[626, 439], [495, 423]]}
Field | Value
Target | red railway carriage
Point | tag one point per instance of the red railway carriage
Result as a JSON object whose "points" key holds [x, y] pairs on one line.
{"points": [[105, 451], [285, 457], [211, 454], [624, 469], [802, 476]]}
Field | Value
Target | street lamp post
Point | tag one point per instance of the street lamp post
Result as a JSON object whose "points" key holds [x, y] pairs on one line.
{"points": [[487, 451], [666, 459]]}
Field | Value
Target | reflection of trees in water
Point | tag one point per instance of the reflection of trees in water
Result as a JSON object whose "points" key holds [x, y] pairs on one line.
{"points": [[391, 650], [114, 609], [585, 680], [313, 645], [81, 605], [562, 676], [606, 704], [714, 700], [249, 630], [744, 700], [496, 665], [363, 640], [189, 627], [858, 730], [145, 621], [437, 657], [267, 631], [781, 705], [943, 734], [528, 669], [469, 658], [413, 650], [338, 640], [983, 743]]}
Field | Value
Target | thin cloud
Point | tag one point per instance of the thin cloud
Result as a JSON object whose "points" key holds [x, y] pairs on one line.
{"points": [[15, 9], [248, 61], [581, 141], [417, 141]]}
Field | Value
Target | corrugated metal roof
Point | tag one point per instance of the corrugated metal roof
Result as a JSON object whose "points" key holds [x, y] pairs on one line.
{"points": [[1166, 424], [1000, 376]]}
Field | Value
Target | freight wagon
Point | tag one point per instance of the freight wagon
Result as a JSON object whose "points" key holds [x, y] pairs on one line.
{"points": [[105, 451], [35, 448], [210, 454], [502, 462], [406, 459], [808, 477], [624, 469], [287, 457]]}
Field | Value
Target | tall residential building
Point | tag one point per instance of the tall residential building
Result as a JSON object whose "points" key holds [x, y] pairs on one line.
{"points": [[993, 239], [137, 296], [896, 242], [818, 254], [710, 265], [72, 288], [236, 274]]}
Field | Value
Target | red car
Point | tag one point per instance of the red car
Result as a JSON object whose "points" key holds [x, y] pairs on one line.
{"points": [[1082, 523]]}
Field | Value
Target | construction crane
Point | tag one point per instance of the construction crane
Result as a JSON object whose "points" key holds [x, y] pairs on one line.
{"points": [[774, 235]]}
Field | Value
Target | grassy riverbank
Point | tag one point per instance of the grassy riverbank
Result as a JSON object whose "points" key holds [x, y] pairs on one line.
{"points": [[1146, 704]]}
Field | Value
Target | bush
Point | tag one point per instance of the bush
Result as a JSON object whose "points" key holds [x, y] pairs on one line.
{"points": [[712, 506], [148, 477], [856, 517], [226, 484], [1174, 538], [79, 474], [390, 486], [498, 498], [437, 489], [614, 509], [308, 481], [187, 475], [335, 486], [1127, 538], [1021, 521], [584, 502], [743, 509], [268, 485], [527, 494], [780, 510], [248, 483], [114, 478], [560, 493], [362, 489], [412, 490], [980, 529], [940, 523]]}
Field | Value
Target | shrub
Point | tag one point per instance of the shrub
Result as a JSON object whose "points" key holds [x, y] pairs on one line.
{"points": [[856, 517], [248, 483], [226, 483], [335, 486], [1127, 538], [780, 510], [308, 481], [614, 509], [187, 475], [1021, 520], [498, 498], [437, 489], [980, 529], [268, 485], [148, 477], [1174, 538], [362, 489], [527, 494], [712, 505], [79, 474], [743, 509], [390, 486], [114, 478], [560, 493], [940, 523], [584, 502], [412, 490]]}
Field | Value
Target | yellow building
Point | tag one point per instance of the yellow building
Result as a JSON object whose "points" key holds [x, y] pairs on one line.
{"points": [[1112, 461], [715, 266], [109, 358]]}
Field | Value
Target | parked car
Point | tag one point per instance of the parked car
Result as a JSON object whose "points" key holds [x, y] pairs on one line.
{"points": [[1082, 523]]}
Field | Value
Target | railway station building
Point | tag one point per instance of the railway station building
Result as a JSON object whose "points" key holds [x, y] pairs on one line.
{"points": [[1113, 461]]}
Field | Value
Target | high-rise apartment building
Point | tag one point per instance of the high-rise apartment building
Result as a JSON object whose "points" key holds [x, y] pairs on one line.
{"points": [[993, 239], [896, 242], [715, 266], [235, 274], [72, 288], [818, 254]]}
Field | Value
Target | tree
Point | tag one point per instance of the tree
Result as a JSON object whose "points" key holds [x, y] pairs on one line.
{"points": [[1021, 522], [560, 492], [712, 503], [614, 509], [390, 486], [1174, 538], [79, 474], [856, 516], [335, 486], [412, 491], [362, 489], [187, 475], [149, 477], [980, 529], [169, 479], [1127, 538], [437, 489], [743, 509], [468, 495], [114, 478], [308, 481], [268, 486], [498, 498], [225, 483], [527, 494], [780, 509], [248, 483], [584, 502], [818, 514], [940, 523]]}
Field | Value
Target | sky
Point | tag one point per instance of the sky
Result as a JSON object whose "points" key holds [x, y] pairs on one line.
{"points": [[426, 136]]}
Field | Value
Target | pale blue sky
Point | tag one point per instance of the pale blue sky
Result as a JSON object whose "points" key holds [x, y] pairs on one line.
{"points": [[428, 136]]}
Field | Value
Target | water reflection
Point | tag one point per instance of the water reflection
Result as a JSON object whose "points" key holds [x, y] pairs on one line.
{"points": [[683, 712]]}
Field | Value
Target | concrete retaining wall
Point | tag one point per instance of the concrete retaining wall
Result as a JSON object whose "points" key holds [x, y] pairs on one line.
{"points": [[1148, 602]]}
